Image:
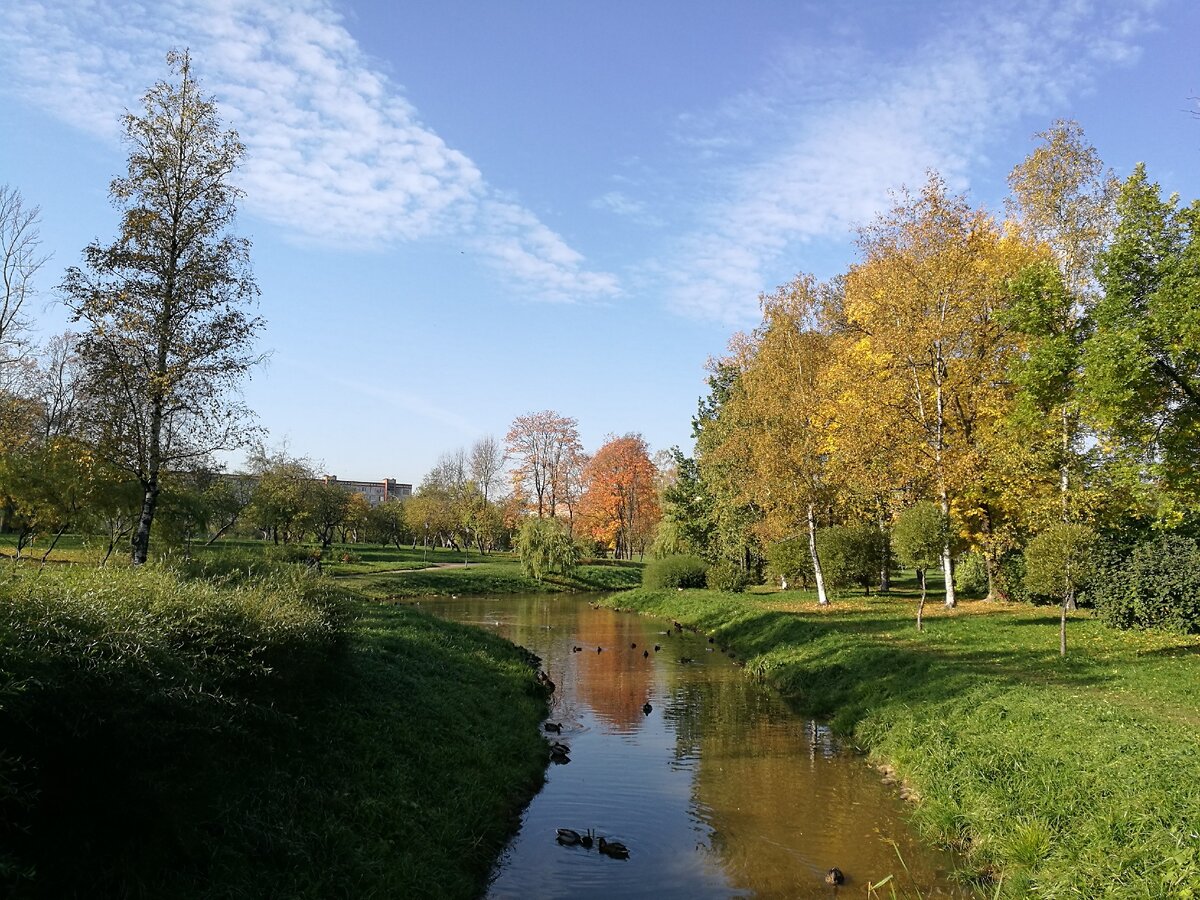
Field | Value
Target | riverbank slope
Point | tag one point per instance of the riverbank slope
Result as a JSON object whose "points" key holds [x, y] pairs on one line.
{"points": [[1076, 777], [279, 737]]}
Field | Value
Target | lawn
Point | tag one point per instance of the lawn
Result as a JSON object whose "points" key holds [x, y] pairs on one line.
{"points": [[1075, 777]]}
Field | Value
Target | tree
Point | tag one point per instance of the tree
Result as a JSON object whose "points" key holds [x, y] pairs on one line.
{"points": [[1063, 198], [326, 507], [168, 335], [546, 449], [279, 501], [485, 464], [1141, 363], [778, 417], [386, 523], [355, 520], [20, 259], [620, 498], [546, 546], [919, 536], [922, 307], [687, 524], [1060, 561]]}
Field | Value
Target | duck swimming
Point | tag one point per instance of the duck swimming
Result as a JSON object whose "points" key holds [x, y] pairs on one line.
{"points": [[615, 849]]}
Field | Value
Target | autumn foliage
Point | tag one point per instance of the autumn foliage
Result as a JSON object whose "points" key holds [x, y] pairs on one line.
{"points": [[619, 507]]}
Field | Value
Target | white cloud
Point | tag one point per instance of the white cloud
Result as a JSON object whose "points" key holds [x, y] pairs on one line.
{"points": [[856, 128], [336, 154], [622, 204]]}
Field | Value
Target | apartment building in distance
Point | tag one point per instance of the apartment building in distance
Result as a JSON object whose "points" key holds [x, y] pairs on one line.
{"points": [[375, 491]]}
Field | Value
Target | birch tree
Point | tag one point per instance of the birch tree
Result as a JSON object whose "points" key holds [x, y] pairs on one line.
{"points": [[923, 304], [168, 332]]}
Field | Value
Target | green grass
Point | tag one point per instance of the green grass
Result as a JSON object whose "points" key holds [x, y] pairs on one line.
{"points": [[161, 737], [498, 576], [1076, 777]]}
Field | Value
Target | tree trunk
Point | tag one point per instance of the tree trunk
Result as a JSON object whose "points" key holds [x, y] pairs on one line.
{"points": [[53, 544], [140, 545], [921, 603], [822, 597], [943, 494], [989, 565], [885, 559], [1068, 598], [947, 558]]}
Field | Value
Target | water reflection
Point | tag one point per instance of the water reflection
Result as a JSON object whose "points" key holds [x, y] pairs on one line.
{"points": [[719, 792]]}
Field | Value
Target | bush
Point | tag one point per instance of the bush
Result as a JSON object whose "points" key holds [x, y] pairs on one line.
{"points": [[545, 546], [790, 561], [725, 576], [1060, 561], [675, 572], [1009, 581], [970, 574], [850, 555], [1156, 586]]}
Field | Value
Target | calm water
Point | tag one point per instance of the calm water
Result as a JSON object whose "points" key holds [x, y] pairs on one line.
{"points": [[719, 792]]}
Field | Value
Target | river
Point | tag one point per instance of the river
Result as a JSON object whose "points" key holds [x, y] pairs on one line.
{"points": [[718, 791]]}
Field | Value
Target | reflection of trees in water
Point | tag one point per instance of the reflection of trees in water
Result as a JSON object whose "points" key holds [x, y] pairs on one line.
{"points": [[784, 801], [616, 682]]}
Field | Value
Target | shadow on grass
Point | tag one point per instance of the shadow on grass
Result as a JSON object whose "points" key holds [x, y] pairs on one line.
{"points": [[848, 662], [398, 769]]}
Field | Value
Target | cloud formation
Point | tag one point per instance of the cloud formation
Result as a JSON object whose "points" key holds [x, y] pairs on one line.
{"points": [[856, 127], [336, 154]]}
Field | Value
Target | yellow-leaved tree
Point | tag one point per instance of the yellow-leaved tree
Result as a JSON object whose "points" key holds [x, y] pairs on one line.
{"points": [[782, 421], [921, 309]]}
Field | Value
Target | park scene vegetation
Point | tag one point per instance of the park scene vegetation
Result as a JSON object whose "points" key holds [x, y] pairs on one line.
{"points": [[221, 678]]}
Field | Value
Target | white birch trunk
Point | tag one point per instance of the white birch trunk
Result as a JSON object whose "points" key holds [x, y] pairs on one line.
{"points": [[822, 597]]}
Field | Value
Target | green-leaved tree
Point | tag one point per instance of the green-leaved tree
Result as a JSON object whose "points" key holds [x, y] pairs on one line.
{"points": [[1059, 562], [921, 533], [168, 333]]}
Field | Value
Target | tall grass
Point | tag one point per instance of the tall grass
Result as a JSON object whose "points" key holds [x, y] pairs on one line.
{"points": [[251, 737]]}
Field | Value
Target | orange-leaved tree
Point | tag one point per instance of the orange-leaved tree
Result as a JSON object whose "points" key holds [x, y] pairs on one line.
{"points": [[620, 495]]}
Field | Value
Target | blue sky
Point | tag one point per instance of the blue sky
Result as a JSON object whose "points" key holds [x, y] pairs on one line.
{"points": [[466, 211]]}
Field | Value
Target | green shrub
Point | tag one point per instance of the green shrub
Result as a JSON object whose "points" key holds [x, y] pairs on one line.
{"points": [[726, 576], [1009, 579], [1059, 562], [850, 555], [292, 553], [545, 546], [675, 572], [970, 574], [1156, 586], [790, 561]]}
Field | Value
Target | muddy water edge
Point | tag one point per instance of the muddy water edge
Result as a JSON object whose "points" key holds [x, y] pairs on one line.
{"points": [[714, 785]]}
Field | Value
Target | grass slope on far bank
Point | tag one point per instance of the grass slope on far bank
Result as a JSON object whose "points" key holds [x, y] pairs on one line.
{"points": [[1076, 777], [500, 575], [161, 737]]}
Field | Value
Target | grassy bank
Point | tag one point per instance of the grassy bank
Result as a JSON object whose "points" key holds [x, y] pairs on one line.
{"points": [[1058, 778], [161, 737], [497, 576]]}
